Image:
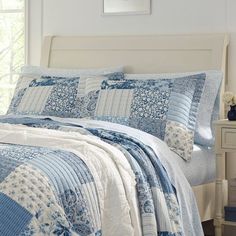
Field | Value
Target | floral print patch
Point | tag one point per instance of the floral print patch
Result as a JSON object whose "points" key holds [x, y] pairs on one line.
{"points": [[150, 103], [86, 105]]}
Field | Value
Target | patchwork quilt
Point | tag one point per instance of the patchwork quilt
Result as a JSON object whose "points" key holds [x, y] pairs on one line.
{"points": [[78, 177]]}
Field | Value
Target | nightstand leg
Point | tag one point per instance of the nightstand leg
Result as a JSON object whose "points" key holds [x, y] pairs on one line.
{"points": [[218, 230], [219, 196]]}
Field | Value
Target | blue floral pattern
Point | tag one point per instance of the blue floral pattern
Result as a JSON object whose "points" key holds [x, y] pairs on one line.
{"points": [[56, 207], [15, 102], [152, 183], [86, 105], [46, 96], [165, 108], [150, 103], [62, 99], [56, 96], [57, 203], [76, 211]]}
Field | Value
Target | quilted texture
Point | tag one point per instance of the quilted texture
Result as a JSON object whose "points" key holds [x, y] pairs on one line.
{"points": [[57, 96], [47, 96], [209, 103], [165, 108]]}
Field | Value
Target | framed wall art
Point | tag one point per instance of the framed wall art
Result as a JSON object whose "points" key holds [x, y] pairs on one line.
{"points": [[126, 7]]}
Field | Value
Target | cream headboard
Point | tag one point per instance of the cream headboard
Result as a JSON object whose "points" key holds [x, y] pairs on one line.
{"points": [[139, 54]]}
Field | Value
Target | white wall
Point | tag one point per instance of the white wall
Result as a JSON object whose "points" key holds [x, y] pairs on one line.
{"points": [[35, 12], [83, 17], [168, 16]]}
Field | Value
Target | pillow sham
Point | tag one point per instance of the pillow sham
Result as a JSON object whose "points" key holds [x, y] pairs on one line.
{"points": [[166, 108], [209, 103], [53, 96]]}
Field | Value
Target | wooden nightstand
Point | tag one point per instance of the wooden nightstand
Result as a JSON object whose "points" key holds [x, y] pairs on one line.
{"points": [[225, 142]]}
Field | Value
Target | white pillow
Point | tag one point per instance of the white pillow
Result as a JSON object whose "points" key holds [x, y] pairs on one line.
{"points": [[38, 71]]}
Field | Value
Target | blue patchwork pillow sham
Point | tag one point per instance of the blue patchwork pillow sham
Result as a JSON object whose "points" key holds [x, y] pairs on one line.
{"points": [[209, 103], [56, 96], [165, 108]]}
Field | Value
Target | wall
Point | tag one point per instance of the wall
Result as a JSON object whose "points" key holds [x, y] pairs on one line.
{"points": [[80, 17]]}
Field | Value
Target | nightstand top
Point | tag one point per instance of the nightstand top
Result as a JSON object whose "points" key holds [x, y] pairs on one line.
{"points": [[225, 122]]}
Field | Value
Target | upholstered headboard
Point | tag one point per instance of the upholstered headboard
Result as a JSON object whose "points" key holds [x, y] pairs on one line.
{"points": [[139, 54]]}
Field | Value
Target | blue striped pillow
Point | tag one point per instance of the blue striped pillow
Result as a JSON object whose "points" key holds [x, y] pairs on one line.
{"points": [[165, 108]]}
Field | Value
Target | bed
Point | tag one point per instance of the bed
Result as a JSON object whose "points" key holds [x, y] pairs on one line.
{"points": [[139, 54], [159, 54]]}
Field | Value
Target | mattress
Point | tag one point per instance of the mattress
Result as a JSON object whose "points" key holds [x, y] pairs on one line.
{"points": [[202, 167]]}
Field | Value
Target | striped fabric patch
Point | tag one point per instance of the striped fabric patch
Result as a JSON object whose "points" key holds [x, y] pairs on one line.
{"points": [[35, 105], [114, 103], [13, 217]]}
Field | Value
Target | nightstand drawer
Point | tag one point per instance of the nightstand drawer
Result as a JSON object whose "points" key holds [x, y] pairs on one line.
{"points": [[228, 138]]}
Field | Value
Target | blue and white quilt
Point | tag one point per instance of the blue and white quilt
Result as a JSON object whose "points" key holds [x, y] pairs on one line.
{"points": [[85, 177]]}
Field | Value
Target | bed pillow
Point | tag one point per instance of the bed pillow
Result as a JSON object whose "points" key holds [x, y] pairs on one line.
{"points": [[52, 96], [209, 103], [166, 108], [38, 71], [209, 110]]}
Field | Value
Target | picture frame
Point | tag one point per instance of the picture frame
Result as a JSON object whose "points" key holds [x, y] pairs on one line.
{"points": [[126, 7]]}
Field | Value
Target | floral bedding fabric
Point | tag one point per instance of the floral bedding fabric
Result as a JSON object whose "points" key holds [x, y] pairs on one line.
{"points": [[77, 179], [56, 96], [165, 108], [209, 104]]}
